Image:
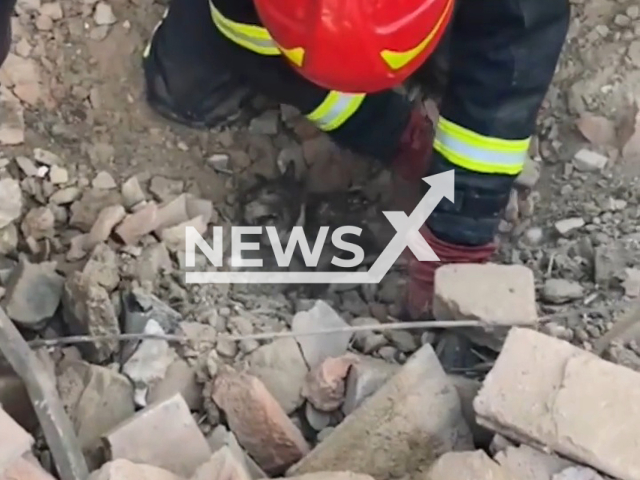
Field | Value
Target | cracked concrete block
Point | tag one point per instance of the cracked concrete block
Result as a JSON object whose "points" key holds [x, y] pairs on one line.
{"points": [[551, 395], [402, 428], [466, 465], [497, 295], [164, 435]]}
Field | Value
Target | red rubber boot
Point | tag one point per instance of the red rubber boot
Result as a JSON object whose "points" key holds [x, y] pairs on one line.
{"points": [[412, 162], [421, 274]]}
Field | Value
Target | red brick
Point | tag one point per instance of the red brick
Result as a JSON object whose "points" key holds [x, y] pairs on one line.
{"points": [[258, 421]]}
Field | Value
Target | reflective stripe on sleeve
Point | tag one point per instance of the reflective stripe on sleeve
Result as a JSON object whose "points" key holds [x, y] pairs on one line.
{"points": [[335, 110], [251, 37], [478, 153]]}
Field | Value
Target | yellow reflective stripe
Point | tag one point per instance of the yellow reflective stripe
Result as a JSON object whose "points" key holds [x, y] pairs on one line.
{"points": [[147, 49], [479, 153], [397, 60], [295, 55], [251, 37], [335, 109]]}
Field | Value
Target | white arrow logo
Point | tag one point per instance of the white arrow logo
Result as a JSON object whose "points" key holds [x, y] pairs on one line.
{"points": [[407, 235]]}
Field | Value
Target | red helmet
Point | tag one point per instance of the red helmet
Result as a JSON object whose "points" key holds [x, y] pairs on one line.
{"points": [[356, 46]]}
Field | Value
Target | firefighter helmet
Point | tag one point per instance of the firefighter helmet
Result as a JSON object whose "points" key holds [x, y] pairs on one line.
{"points": [[356, 46]]}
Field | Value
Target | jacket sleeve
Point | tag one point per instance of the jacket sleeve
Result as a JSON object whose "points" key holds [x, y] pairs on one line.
{"points": [[503, 54]]}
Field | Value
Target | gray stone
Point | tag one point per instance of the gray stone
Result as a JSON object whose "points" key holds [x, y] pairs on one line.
{"points": [[46, 157], [107, 219], [577, 473], [58, 175], [165, 189], [588, 161], [65, 196], [102, 267], [221, 437], [316, 348], [609, 264], [27, 166], [103, 181], [180, 378], [265, 124], [526, 463], [38, 223], [367, 341], [103, 14], [149, 363], [33, 293], [471, 465], [132, 193], [317, 420], [153, 261], [140, 307], [8, 239], [87, 310], [12, 125], [281, 367], [558, 290], [566, 226], [10, 201], [85, 211], [364, 379], [97, 399]]}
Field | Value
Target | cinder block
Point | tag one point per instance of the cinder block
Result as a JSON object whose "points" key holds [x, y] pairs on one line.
{"points": [[547, 393]]}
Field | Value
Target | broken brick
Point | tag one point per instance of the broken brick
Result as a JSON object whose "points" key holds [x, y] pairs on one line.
{"points": [[258, 421]]}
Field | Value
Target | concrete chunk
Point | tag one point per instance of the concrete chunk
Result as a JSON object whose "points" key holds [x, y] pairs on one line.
{"points": [[468, 465], [126, 470], [163, 435], [33, 293], [223, 465], [317, 348], [548, 393], [269, 361], [221, 437], [526, 463], [14, 441], [497, 295], [25, 469], [364, 379], [333, 476], [405, 426]]}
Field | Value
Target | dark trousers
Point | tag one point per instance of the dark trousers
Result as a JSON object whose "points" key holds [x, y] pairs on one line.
{"points": [[6, 10], [198, 64]]}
